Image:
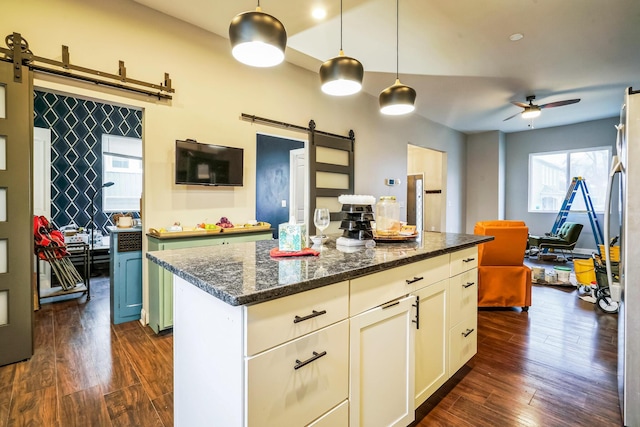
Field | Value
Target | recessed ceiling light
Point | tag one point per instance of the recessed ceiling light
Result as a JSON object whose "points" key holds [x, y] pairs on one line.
{"points": [[516, 36], [319, 12]]}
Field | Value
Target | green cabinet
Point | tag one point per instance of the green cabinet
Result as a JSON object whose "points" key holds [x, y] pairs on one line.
{"points": [[161, 280]]}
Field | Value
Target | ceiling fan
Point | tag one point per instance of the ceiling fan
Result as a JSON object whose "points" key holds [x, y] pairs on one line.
{"points": [[531, 110]]}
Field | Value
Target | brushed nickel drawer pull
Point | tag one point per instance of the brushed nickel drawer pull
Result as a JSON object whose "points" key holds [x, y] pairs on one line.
{"points": [[313, 314], [468, 284], [315, 356], [414, 280], [467, 332], [468, 260]]}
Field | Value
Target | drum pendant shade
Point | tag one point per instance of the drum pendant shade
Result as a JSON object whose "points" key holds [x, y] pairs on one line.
{"points": [[257, 39], [397, 99], [341, 75]]}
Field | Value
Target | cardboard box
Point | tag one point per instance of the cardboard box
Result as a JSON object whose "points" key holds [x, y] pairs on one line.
{"points": [[292, 237]]}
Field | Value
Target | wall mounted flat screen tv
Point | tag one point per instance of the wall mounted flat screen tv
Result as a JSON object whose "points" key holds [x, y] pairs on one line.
{"points": [[206, 164]]}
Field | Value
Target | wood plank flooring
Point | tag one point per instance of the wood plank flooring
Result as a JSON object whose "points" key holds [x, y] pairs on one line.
{"points": [[87, 372], [552, 366]]}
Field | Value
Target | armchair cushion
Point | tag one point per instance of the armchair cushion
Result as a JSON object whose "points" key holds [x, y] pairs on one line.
{"points": [[566, 237], [508, 246], [503, 279]]}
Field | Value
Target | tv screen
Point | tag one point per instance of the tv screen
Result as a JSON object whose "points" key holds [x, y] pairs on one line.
{"points": [[206, 164]]}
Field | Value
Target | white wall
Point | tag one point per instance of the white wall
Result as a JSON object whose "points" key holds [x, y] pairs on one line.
{"points": [[519, 145], [212, 90]]}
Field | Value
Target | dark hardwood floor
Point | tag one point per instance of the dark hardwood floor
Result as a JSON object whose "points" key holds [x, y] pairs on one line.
{"points": [[552, 366], [87, 372]]}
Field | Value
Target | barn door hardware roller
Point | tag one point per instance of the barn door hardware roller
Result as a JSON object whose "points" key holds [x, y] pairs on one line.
{"points": [[18, 52]]}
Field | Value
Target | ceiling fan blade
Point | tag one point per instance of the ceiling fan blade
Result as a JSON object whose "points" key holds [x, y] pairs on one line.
{"points": [[560, 103], [520, 104], [511, 117]]}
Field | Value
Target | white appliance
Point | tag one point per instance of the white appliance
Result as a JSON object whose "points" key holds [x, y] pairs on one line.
{"points": [[626, 165]]}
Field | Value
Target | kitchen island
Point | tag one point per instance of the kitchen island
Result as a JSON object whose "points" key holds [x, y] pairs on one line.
{"points": [[354, 336]]}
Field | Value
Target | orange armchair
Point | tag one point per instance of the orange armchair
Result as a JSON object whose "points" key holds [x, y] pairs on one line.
{"points": [[503, 279]]}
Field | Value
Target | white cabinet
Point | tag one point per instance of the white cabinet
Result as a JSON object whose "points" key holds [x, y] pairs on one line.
{"points": [[432, 337], [337, 417], [297, 382], [381, 365], [463, 309], [363, 352], [273, 322]]}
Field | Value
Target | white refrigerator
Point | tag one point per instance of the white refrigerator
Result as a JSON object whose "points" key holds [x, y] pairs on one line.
{"points": [[626, 167]]}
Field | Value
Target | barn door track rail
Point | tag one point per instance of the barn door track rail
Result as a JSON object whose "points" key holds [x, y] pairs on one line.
{"points": [[18, 52]]}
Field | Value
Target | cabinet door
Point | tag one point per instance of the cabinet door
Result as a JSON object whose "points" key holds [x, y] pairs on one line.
{"points": [[128, 287], [382, 365], [431, 340]]}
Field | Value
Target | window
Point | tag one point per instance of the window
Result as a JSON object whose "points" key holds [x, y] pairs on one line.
{"points": [[122, 165], [551, 173]]}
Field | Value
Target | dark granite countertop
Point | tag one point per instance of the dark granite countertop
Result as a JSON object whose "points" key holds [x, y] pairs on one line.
{"points": [[245, 273]]}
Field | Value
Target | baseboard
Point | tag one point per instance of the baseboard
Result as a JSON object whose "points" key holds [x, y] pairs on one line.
{"points": [[144, 317]]}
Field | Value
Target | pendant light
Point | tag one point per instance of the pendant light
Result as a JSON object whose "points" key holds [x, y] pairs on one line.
{"points": [[257, 39], [341, 75], [397, 99]]}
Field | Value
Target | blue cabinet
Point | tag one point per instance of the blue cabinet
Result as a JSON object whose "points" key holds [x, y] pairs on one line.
{"points": [[126, 275]]}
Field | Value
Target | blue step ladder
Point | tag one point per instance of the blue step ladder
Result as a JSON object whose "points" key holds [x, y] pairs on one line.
{"points": [[579, 183]]}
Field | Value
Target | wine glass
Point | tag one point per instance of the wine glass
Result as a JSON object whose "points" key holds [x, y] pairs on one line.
{"points": [[321, 220]]}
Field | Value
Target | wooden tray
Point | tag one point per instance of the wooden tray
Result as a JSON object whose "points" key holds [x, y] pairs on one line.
{"points": [[393, 239], [199, 232]]}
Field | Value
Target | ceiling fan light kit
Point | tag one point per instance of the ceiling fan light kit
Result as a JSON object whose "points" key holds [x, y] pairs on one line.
{"points": [[257, 39], [397, 99], [531, 110]]}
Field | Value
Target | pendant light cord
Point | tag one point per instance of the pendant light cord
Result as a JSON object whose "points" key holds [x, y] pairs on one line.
{"points": [[397, 39], [340, 24]]}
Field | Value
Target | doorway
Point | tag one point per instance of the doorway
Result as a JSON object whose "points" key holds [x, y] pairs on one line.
{"points": [[77, 127], [426, 169], [42, 191], [274, 180]]}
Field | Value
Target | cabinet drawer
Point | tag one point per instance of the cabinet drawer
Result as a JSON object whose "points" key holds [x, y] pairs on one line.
{"points": [[278, 394], [274, 322], [432, 270], [463, 343], [464, 260], [463, 296], [378, 288], [337, 417]]}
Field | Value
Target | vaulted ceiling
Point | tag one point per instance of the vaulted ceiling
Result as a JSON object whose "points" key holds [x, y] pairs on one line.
{"points": [[457, 54]]}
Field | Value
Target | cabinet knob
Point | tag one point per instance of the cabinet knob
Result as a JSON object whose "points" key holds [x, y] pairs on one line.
{"points": [[468, 284], [468, 260]]}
